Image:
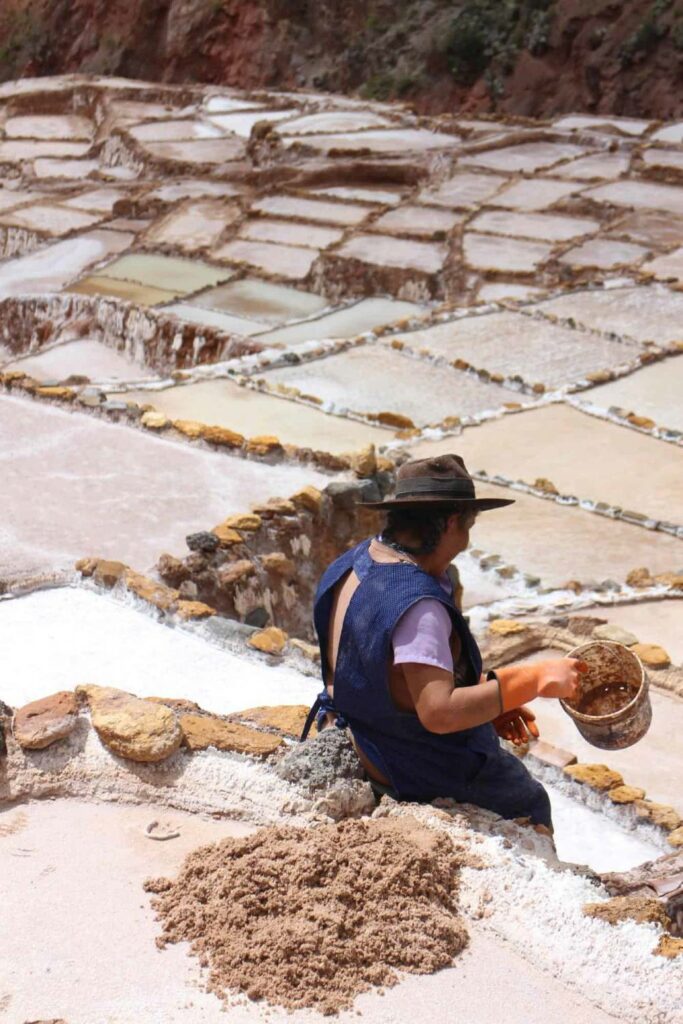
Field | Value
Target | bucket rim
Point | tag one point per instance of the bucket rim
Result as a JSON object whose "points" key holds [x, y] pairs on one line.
{"points": [[615, 715]]}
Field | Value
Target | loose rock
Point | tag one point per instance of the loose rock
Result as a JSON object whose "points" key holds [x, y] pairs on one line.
{"points": [[652, 655], [42, 722], [271, 640], [286, 719], [202, 731], [615, 634], [139, 730], [625, 794], [597, 776]]}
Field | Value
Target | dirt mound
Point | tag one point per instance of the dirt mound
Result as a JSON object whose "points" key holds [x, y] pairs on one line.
{"points": [[535, 58], [312, 918]]}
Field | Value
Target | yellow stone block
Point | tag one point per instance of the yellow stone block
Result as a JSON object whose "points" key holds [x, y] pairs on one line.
{"points": [[652, 655], [308, 498], [597, 776], [224, 437], [194, 610], [245, 521], [154, 420], [271, 640], [506, 627], [190, 428], [626, 794], [226, 535]]}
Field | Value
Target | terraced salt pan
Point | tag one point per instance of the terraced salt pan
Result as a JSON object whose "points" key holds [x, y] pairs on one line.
{"points": [[639, 194], [343, 323], [630, 126], [334, 121], [533, 194], [561, 543], [242, 124], [581, 455], [51, 269], [224, 104], [211, 318], [161, 131], [167, 272], [649, 313], [514, 256], [389, 140], [14, 150], [130, 291], [11, 198], [100, 200], [51, 220], [360, 195], [650, 228], [48, 126], [385, 251], [527, 156], [595, 167], [665, 159], [140, 111], [534, 225], [290, 233], [49, 167], [192, 188], [511, 343], [418, 220], [84, 357], [197, 151], [347, 214], [494, 291], [670, 133], [226, 404], [668, 268], [289, 261], [115, 644], [369, 379], [655, 392], [114, 491], [604, 254], [463, 191], [262, 300], [195, 225]]}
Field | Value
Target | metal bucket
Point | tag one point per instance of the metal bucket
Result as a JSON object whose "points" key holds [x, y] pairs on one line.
{"points": [[608, 663]]}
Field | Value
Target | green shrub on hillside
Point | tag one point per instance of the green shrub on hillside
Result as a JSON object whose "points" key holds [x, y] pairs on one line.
{"points": [[485, 37]]}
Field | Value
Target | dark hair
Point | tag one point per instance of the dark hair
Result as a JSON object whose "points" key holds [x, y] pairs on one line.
{"points": [[428, 525]]}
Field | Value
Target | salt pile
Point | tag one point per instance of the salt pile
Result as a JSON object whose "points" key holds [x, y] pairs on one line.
{"points": [[312, 919]]}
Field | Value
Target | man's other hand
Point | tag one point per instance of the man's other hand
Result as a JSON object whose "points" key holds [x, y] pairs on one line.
{"points": [[517, 726]]}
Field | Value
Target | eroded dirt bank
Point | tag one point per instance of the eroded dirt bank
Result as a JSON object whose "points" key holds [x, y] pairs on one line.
{"points": [[532, 58]]}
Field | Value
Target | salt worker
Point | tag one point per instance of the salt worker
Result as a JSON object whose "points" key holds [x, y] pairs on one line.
{"points": [[401, 669]]}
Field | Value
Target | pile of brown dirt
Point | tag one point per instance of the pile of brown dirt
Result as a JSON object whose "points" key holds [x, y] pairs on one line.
{"points": [[312, 918]]}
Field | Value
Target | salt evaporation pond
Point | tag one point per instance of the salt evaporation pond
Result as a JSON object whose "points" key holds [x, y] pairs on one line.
{"points": [[86, 637], [583, 836], [226, 404], [74, 485]]}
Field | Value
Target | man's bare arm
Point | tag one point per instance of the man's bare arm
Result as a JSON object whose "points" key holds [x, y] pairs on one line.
{"points": [[443, 708]]}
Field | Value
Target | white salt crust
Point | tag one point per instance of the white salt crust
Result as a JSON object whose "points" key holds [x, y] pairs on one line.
{"points": [[523, 898]]}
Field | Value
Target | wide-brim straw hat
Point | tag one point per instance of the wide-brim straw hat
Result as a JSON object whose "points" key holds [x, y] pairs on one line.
{"points": [[441, 482]]}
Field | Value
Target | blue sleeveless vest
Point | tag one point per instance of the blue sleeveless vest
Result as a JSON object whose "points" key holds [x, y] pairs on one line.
{"points": [[419, 764]]}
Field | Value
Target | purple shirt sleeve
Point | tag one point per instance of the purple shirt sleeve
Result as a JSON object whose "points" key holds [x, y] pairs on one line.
{"points": [[422, 635]]}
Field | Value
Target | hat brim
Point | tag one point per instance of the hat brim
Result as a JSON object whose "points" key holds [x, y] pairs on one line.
{"points": [[475, 504]]}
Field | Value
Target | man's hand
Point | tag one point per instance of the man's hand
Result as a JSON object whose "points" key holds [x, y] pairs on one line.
{"points": [[517, 726]]}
